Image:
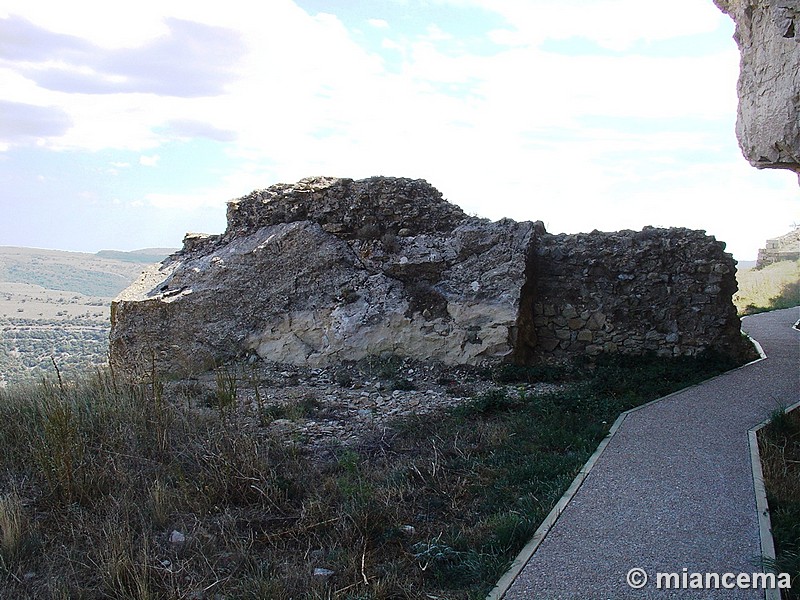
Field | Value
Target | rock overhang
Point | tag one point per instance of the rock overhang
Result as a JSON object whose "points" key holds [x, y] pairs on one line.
{"points": [[768, 123]]}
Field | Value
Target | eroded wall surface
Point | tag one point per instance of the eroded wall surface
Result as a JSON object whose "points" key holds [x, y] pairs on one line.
{"points": [[666, 291], [328, 269]]}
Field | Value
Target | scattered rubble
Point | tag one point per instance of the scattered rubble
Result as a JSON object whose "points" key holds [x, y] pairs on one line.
{"points": [[349, 404]]}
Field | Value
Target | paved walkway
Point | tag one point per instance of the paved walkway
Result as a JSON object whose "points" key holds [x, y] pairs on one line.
{"points": [[673, 488]]}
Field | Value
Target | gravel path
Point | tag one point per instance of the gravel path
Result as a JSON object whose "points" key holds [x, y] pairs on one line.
{"points": [[673, 488]]}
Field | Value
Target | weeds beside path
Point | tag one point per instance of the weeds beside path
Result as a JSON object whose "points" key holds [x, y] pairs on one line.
{"points": [[116, 491], [779, 445]]}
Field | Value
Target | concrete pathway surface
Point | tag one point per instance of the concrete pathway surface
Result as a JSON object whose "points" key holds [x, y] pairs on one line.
{"points": [[673, 490]]}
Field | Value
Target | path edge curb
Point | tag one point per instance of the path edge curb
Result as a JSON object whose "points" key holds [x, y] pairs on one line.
{"points": [[762, 505], [519, 562], [525, 554]]}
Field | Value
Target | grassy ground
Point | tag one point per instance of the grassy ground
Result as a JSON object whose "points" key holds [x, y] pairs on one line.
{"points": [[104, 274], [779, 444], [773, 287], [115, 491]]}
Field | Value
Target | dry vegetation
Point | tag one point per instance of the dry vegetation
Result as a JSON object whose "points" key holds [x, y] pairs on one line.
{"points": [[110, 490], [775, 286], [120, 491], [38, 326], [54, 305], [779, 444]]}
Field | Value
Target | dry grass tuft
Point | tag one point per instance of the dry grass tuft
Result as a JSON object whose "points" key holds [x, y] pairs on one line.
{"points": [[779, 445], [110, 490], [775, 286], [14, 531]]}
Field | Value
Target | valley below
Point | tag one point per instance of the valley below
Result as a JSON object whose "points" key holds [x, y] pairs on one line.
{"points": [[55, 308]]}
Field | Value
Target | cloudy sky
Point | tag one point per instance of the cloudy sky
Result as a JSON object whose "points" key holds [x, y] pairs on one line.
{"points": [[125, 125]]}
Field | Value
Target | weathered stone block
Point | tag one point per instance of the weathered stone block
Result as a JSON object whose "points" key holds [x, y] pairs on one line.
{"points": [[635, 312], [548, 345], [596, 321], [575, 324], [569, 312]]}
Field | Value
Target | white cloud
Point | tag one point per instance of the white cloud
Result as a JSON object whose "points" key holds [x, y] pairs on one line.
{"points": [[190, 60], [190, 128], [520, 132], [305, 74], [613, 24], [437, 34], [122, 25], [22, 122], [388, 44]]}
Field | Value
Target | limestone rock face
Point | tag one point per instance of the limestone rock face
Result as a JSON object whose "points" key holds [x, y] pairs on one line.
{"points": [[768, 35], [327, 270]]}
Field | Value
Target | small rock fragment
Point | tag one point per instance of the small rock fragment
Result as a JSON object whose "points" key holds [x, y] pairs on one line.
{"points": [[176, 537]]}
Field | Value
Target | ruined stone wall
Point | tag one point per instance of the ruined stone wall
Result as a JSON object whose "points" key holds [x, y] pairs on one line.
{"points": [[785, 247], [327, 270], [658, 290]]}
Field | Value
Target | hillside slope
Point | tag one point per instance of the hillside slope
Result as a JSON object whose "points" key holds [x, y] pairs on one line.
{"points": [[54, 306], [774, 286], [103, 274]]}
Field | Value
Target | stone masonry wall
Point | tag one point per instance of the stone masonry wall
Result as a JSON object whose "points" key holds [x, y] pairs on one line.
{"points": [[658, 290], [330, 269]]}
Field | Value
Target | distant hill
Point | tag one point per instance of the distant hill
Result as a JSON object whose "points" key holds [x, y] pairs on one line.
{"points": [[146, 255], [55, 306], [103, 274]]}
